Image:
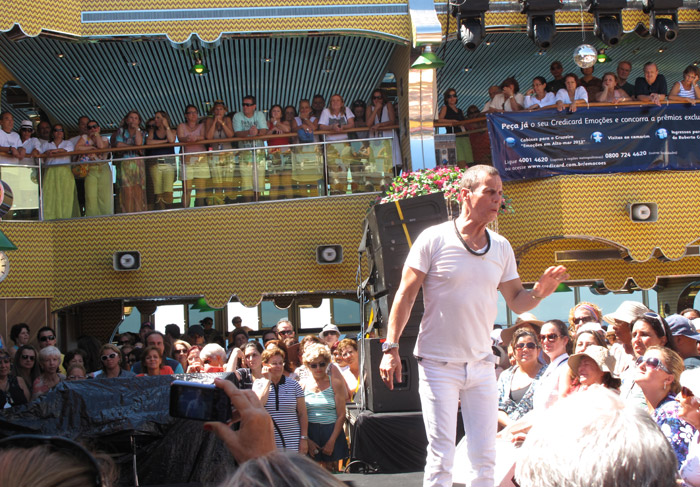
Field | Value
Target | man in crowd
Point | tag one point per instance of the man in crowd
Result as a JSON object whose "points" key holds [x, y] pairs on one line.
{"points": [[624, 68], [195, 335], [330, 334], [460, 266], [621, 321], [318, 103], [237, 322], [46, 337], [652, 87], [43, 131], [285, 332], [557, 83], [686, 339], [493, 91], [11, 149], [156, 339]]}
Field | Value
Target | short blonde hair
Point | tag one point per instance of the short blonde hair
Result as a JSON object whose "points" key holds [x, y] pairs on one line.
{"points": [[315, 350], [271, 352]]}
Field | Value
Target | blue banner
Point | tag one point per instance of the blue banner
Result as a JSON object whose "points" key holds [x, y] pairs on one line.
{"points": [[594, 140]]}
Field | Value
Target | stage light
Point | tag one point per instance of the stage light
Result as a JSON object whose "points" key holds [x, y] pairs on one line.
{"points": [[427, 60], [541, 24], [663, 18], [199, 68], [602, 57], [471, 26], [608, 19]]}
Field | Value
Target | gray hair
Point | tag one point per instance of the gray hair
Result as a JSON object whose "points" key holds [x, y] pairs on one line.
{"points": [[281, 469], [592, 438], [474, 174], [48, 352], [212, 350]]}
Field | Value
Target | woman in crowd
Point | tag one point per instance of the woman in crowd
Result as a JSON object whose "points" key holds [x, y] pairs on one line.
{"points": [[690, 413], [658, 375], [74, 357], [381, 114], [111, 358], [588, 337], [213, 358], [19, 334], [27, 365], [290, 113], [302, 371], [13, 389], [538, 96], [556, 344], [593, 366], [60, 192], [131, 171], [180, 350], [161, 170], [573, 94], [194, 362], [129, 356], [449, 113], [288, 366], [611, 93], [584, 312], [306, 123], [98, 181], [280, 169], [49, 358], [348, 349], [687, 89], [359, 109], [284, 400], [516, 386], [253, 369], [325, 406], [76, 372], [238, 338], [277, 125], [196, 167], [337, 118], [221, 165], [152, 363]]}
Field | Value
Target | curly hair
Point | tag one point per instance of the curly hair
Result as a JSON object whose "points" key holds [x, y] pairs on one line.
{"points": [[591, 307], [314, 351]]}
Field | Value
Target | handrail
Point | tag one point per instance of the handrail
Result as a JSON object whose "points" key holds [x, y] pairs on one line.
{"points": [[131, 148]]}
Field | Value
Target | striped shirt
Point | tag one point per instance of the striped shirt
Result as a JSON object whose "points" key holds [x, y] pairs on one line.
{"points": [[282, 406], [320, 406]]}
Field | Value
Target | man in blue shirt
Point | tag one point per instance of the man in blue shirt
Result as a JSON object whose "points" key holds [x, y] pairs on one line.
{"points": [[652, 87]]}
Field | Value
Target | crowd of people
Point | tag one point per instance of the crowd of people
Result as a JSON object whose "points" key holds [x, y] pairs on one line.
{"points": [[645, 359], [304, 385], [146, 177]]}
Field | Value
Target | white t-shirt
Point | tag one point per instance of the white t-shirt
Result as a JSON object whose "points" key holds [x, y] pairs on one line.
{"points": [[549, 99], [690, 470], [29, 145], [500, 102], [460, 293], [579, 94], [9, 140], [53, 161], [328, 119]]}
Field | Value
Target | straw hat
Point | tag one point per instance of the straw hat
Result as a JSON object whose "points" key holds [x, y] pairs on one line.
{"points": [[628, 312], [599, 355]]}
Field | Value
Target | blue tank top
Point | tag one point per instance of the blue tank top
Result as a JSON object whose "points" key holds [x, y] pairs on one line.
{"points": [[320, 406]]}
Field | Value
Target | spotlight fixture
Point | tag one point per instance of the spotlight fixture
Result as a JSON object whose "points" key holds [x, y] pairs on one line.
{"points": [[608, 19], [60, 55], [199, 68], [541, 25], [663, 18], [471, 26], [427, 60]]}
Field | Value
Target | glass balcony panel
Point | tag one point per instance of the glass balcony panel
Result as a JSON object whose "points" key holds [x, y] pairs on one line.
{"points": [[23, 180]]}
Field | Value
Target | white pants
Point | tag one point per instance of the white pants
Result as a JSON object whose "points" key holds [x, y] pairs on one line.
{"points": [[442, 385]]}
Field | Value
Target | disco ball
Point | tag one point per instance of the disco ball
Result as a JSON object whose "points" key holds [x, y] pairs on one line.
{"points": [[585, 56]]}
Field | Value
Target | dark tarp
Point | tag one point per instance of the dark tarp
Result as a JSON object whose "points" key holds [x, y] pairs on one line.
{"points": [[107, 413]]}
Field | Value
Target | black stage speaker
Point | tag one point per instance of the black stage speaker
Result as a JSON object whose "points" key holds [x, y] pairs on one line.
{"points": [[404, 397], [387, 247]]}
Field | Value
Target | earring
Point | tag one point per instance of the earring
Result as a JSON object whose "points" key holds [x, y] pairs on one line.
{"points": [[665, 386]]}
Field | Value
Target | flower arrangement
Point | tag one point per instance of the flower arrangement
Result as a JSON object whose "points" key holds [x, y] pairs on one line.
{"points": [[427, 181]]}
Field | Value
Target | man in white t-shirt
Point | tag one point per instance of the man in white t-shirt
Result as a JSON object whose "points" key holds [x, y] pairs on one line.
{"points": [[461, 266], [11, 150]]}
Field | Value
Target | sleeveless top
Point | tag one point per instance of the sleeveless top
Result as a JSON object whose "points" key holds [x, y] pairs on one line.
{"points": [[198, 131], [220, 134], [450, 114], [14, 395], [160, 151], [686, 93], [320, 406]]}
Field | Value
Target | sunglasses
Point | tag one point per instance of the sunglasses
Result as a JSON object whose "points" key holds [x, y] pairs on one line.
{"points": [[249, 104], [320, 364], [180, 352], [686, 393], [451, 96], [286, 332], [109, 356], [46, 338], [28, 357], [5, 360], [551, 337], [653, 363], [528, 345], [60, 445], [378, 97], [91, 127], [25, 130], [584, 319]]}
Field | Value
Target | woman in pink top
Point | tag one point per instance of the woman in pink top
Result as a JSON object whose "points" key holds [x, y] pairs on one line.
{"points": [[196, 168]]}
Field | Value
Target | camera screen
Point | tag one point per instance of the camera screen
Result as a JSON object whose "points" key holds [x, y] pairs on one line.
{"points": [[201, 402]]}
